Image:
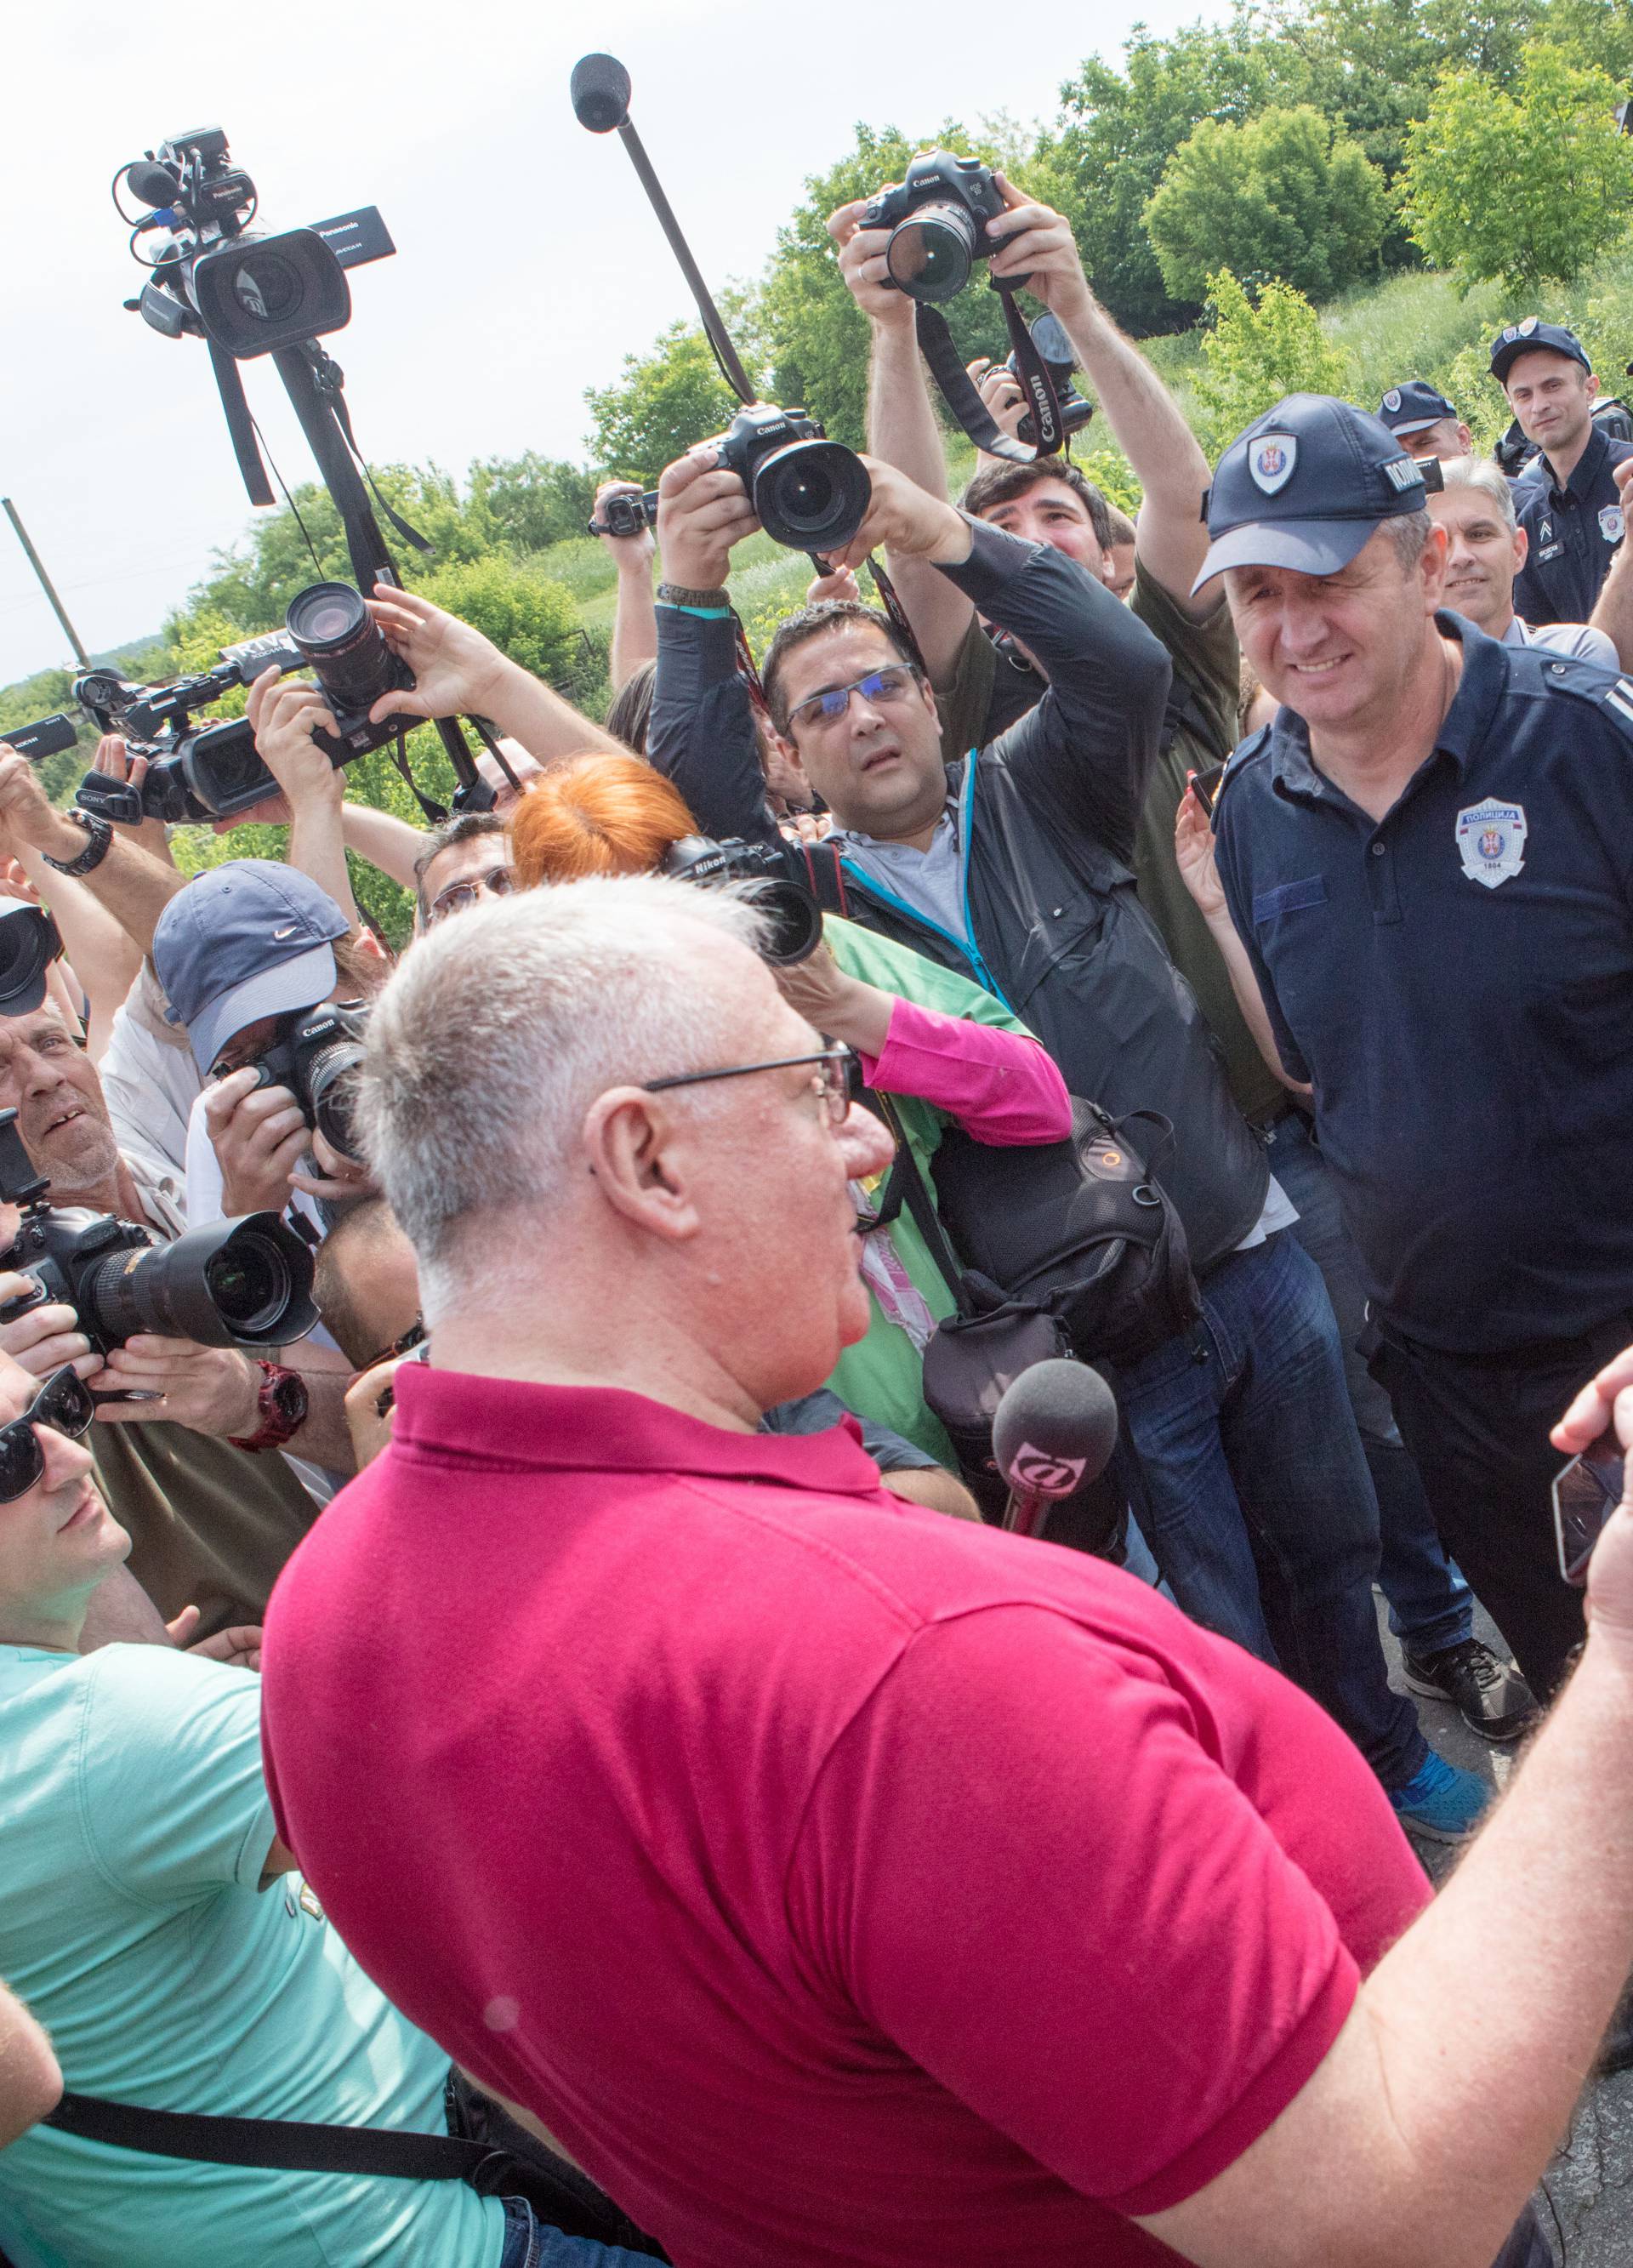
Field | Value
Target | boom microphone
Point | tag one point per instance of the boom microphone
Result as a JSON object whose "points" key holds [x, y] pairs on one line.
{"points": [[600, 93], [1055, 1428]]}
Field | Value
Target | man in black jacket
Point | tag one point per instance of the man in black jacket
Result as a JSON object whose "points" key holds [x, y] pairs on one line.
{"points": [[1014, 864]]}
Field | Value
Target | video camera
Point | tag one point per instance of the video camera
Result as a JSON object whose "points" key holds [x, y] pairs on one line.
{"points": [[232, 1283], [247, 294], [49, 737], [212, 771], [795, 915], [315, 1054], [625, 515]]}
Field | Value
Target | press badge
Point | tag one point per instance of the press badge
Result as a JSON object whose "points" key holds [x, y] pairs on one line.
{"points": [[1491, 841]]}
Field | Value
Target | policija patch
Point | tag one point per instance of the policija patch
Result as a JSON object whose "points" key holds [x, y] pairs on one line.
{"points": [[1491, 841]]}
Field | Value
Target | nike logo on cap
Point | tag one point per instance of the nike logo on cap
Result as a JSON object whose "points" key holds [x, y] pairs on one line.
{"points": [[280, 934]]}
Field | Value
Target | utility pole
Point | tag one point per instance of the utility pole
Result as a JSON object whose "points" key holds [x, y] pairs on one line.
{"points": [[46, 583]]}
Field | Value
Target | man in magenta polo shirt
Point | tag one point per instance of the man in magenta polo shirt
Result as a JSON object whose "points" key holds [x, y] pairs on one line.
{"points": [[835, 1882]]}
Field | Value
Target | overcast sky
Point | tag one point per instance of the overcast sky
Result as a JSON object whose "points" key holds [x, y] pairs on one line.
{"points": [[528, 262]]}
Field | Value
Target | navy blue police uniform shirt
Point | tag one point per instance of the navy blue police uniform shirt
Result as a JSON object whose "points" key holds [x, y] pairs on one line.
{"points": [[1456, 983], [1574, 533]]}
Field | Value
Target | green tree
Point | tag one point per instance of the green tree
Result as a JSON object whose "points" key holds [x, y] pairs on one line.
{"points": [[666, 401], [1523, 186], [1283, 196], [1255, 354], [818, 336], [532, 501]]}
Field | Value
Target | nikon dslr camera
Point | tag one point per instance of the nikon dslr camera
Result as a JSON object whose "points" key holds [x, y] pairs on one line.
{"points": [[938, 219], [244, 1283], [795, 917]]}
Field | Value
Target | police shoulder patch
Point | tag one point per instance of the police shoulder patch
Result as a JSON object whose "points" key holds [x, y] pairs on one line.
{"points": [[1579, 680], [1618, 698]]}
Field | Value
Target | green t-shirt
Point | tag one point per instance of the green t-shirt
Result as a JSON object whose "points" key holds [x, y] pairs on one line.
{"points": [[134, 1825], [881, 1377], [1206, 676]]}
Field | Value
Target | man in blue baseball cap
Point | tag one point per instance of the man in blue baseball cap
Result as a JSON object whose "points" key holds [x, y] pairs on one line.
{"points": [[1567, 499], [1423, 859], [1420, 414]]}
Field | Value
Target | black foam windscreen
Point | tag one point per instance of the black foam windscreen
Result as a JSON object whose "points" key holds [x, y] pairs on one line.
{"points": [[600, 93], [1054, 1429]]}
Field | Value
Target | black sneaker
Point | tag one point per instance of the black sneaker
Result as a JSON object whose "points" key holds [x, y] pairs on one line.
{"points": [[1490, 1695]]}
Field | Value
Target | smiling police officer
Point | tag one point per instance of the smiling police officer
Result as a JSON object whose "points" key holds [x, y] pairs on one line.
{"points": [[1427, 857], [1568, 503]]}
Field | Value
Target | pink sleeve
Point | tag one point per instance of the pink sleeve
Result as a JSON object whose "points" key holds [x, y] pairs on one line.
{"points": [[1001, 1087]]}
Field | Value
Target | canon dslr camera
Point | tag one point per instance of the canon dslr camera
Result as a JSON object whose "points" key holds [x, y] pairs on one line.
{"points": [[938, 217], [795, 917], [232, 1283], [316, 1053], [809, 493]]}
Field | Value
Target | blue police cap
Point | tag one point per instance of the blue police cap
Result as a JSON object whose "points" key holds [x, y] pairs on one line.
{"points": [[1305, 486], [1408, 408], [1515, 339]]}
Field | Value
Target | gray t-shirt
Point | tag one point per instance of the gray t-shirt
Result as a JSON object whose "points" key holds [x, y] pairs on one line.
{"points": [[1580, 640]]}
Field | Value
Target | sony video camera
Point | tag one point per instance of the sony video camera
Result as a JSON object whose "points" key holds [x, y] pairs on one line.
{"points": [[315, 1054], [232, 1283], [212, 771], [625, 515], [795, 917], [938, 217]]}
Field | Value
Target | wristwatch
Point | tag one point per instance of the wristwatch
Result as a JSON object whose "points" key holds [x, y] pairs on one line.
{"points": [[281, 1403], [677, 595], [99, 834]]}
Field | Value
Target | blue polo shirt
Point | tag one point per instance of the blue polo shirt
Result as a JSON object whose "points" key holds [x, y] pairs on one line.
{"points": [[1574, 532], [1456, 982]]}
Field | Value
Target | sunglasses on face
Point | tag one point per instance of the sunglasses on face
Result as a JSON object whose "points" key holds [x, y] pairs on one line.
{"points": [[887, 685], [63, 1403], [498, 882]]}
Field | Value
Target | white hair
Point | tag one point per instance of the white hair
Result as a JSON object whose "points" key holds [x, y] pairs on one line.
{"points": [[1480, 474], [499, 1030]]}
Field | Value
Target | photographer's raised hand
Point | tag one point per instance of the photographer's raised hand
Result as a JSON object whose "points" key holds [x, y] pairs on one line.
{"points": [[702, 511], [133, 885], [1039, 252], [635, 626], [114, 761], [1000, 389], [863, 265], [458, 672], [908, 522], [260, 1135], [284, 714], [213, 1389], [45, 1338]]}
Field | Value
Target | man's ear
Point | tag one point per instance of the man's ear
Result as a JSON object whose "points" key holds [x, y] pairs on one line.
{"points": [[1522, 548], [1431, 564], [789, 753], [635, 1152]]}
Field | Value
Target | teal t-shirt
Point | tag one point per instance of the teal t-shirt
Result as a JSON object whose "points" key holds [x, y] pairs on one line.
{"points": [[133, 1827]]}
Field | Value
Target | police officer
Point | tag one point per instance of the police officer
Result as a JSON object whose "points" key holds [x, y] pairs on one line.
{"points": [[1568, 503], [1426, 858], [1419, 415]]}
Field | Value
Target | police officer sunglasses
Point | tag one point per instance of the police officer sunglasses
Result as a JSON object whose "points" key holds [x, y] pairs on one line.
{"points": [[885, 685], [838, 1077], [63, 1403]]}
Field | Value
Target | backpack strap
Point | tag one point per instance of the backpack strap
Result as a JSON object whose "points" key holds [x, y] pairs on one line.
{"points": [[284, 2146], [906, 1185]]}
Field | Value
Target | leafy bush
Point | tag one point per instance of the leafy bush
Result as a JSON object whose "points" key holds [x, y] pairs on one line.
{"points": [[1255, 354]]}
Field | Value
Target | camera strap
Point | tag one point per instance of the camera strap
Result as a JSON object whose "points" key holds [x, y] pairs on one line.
{"points": [[241, 424], [332, 384], [962, 397]]}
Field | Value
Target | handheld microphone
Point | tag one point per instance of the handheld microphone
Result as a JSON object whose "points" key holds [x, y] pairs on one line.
{"points": [[1055, 1428]]}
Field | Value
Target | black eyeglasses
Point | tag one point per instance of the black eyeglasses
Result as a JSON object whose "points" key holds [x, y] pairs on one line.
{"points": [[838, 1077], [412, 1337], [497, 882], [63, 1403]]}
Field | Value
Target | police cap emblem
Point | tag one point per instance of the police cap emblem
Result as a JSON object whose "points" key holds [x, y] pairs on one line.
{"points": [[1391, 400], [1271, 461], [1528, 327]]}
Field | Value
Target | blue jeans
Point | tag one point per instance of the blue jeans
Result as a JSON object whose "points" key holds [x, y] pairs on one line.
{"points": [[530, 2242], [1430, 1606], [1254, 1496]]}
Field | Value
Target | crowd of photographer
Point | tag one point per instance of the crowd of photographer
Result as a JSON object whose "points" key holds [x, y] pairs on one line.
{"points": [[834, 1040]]}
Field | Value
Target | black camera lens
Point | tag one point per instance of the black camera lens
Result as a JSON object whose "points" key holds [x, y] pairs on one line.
{"points": [[812, 495], [336, 632], [332, 1091], [221, 770], [231, 1283], [796, 921], [276, 291], [929, 256]]}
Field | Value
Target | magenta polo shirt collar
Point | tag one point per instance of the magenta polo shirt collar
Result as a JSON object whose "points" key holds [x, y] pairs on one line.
{"points": [[513, 1423]]}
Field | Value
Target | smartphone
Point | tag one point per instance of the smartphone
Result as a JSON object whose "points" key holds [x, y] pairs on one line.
{"points": [[1585, 1494], [1205, 784]]}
